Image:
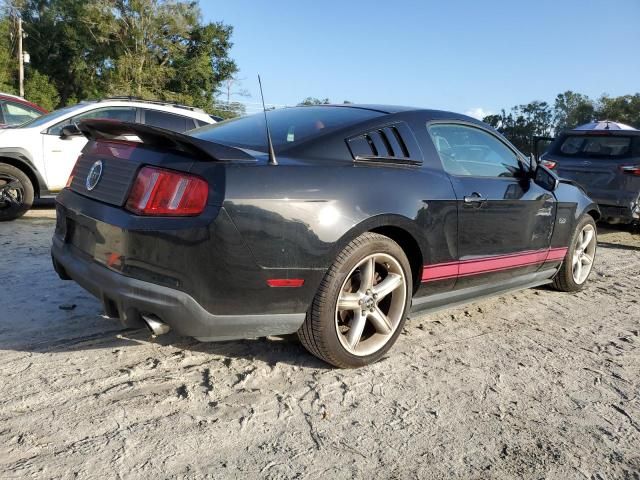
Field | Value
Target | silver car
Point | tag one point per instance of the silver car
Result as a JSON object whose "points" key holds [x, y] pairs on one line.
{"points": [[606, 163]]}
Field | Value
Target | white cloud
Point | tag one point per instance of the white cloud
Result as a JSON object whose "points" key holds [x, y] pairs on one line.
{"points": [[478, 112]]}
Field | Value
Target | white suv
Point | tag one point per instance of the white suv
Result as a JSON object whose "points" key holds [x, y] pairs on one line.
{"points": [[36, 157]]}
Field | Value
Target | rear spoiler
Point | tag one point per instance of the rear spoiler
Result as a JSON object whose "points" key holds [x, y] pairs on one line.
{"points": [[161, 138]]}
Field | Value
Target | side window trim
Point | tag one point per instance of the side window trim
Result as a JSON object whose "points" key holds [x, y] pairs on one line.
{"points": [[521, 160], [71, 117]]}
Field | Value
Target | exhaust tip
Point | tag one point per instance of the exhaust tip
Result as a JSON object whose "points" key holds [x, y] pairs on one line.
{"points": [[155, 325]]}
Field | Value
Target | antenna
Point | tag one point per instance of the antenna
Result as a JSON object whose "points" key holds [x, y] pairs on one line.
{"points": [[272, 154]]}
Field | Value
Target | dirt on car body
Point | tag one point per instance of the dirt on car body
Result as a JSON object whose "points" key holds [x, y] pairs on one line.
{"points": [[527, 385]]}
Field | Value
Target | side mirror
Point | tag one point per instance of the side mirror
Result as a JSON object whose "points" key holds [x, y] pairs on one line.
{"points": [[71, 130], [546, 178]]}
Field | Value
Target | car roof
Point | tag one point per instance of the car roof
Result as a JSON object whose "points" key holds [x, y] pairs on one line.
{"points": [[184, 110], [393, 109], [16, 98]]}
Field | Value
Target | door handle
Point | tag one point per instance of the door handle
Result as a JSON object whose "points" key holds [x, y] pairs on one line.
{"points": [[474, 199]]}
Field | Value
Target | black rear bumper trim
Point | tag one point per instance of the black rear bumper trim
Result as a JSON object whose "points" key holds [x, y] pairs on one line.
{"points": [[131, 297]]}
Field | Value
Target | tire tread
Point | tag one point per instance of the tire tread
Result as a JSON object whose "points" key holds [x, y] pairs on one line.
{"points": [[310, 333]]}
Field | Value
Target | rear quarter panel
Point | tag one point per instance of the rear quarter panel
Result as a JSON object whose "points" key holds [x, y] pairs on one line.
{"points": [[302, 216]]}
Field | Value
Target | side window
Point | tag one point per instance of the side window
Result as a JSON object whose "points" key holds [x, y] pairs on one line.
{"points": [[470, 151], [123, 114], [177, 123], [16, 114]]}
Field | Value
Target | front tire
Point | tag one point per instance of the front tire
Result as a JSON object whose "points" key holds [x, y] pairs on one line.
{"points": [[578, 263], [361, 304], [16, 192]]}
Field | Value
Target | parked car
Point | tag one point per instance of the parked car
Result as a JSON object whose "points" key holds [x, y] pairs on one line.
{"points": [[16, 110], [36, 158], [604, 158], [360, 214]]}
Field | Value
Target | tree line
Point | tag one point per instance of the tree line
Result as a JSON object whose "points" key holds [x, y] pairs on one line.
{"points": [[156, 49], [569, 110]]}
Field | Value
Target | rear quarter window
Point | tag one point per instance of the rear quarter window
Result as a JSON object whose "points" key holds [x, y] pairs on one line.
{"points": [[168, 121]]}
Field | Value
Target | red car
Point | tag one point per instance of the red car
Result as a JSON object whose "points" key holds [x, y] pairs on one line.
{"points": [[16, 110]]}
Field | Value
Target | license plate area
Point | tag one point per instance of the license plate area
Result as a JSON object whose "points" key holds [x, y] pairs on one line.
{"points": [[80, 237]]}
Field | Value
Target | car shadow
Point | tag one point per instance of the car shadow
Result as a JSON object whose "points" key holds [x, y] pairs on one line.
{"points": [[618, 246], [100, 333]]}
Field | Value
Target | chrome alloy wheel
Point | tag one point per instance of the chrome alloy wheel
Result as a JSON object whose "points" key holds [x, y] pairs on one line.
{"points": [[584, 254], [371, 304]]}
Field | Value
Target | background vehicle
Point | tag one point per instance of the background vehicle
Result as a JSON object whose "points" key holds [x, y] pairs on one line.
{"points": [[604, 158], [16, 110], [37, 157], [366, 211]]}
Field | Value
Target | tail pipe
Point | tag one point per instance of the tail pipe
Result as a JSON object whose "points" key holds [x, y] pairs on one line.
{"points": [[155, 325]]}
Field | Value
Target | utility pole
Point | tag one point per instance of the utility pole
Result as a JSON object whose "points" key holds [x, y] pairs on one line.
{"points": [[20, 57]]}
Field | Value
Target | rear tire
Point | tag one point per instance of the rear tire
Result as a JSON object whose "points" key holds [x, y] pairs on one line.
{"points": [[16, 192], [582, 250], [361, 304]]}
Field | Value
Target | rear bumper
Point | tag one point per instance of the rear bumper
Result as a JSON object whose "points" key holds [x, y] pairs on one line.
{"points": [[626, 214], [129, 298]]}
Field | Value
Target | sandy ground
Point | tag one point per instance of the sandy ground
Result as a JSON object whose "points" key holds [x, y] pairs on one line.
{"points": [[536, 384]]}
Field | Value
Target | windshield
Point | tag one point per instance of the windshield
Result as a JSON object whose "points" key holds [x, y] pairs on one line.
{"points": [[44, 119], [605, 146], [288, 126]]}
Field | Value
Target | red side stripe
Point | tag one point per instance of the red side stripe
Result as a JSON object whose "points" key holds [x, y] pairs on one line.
{"points": [[557, 254], [476, 266], [285, 282]]}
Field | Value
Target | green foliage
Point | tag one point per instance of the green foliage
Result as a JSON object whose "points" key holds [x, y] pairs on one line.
{"points": [[39, 89], [8, 64], [524, 122], [157, 49], [572, 109], [228, 110], [625, 109], [315, 101], [569, 110]]}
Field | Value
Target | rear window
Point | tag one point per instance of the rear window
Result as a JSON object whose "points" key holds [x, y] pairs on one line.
{"points": [[288, 126], [595, 146]]}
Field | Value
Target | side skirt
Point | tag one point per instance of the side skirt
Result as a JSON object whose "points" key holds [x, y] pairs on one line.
{"points": [[441, 301]]}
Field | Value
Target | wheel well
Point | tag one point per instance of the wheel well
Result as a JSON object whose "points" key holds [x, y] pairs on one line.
{"points": [[26, 170], [595, 214], [410, 247]]}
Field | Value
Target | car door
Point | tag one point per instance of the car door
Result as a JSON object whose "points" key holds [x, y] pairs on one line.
{"points": [[60, 153], [505, 220]]}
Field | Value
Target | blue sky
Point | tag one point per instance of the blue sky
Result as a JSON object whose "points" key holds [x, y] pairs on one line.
{"points": [[456, 55]]}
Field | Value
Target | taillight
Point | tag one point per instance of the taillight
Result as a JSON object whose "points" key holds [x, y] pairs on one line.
{"points": [[550, 164], [631, 170], [157, 191], [73, 174]]}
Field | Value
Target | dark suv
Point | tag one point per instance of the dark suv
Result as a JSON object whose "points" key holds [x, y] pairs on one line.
{"points": [[606, 163]]}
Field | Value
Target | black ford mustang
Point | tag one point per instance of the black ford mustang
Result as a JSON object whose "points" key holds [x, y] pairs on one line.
{"points": [[363, 213]]}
